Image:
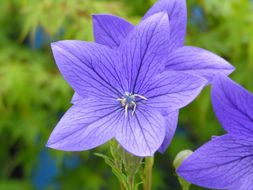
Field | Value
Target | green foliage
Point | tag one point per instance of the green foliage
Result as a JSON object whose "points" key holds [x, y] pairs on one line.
{"points": [[126, 167], [33, 95]]}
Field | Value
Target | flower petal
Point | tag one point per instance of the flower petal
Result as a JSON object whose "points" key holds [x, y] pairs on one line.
{"points": [[76, 98], [219, 163], [91, 69], [110, 30], [144, 49], [171, 126], [244, 184], [199, 62], [142, 133], [85, 125], [233, 106], [172, 90], [177, 12]]}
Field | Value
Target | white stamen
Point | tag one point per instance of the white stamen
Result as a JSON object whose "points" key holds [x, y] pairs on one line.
{"points": [[134, 108], [140, 96], [128, 101], [126, 110]]}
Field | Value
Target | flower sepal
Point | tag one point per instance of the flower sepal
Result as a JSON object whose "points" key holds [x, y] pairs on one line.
{"points": [[125, 166]]}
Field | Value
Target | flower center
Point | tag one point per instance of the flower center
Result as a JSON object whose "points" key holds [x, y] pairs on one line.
{"points": [[128, 101]]}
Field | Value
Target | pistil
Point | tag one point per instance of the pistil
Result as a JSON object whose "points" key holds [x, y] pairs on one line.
{"points": [[129, 101]]}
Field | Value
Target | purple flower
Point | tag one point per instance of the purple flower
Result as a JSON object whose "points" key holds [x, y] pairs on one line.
{"points": [[127, 91], [110, 31], [226, 162], [130, 84]]}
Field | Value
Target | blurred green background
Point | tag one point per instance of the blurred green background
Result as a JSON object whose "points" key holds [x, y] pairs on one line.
{"points": [[33, 94]]}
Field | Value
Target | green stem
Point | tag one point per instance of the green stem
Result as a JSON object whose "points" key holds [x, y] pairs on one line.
{"points": [[125, 166], [131, 182], [131, 166], [122, 185], [147, 176]]}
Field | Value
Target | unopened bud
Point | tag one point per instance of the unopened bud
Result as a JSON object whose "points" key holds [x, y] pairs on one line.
{"points": [[181, 156]]}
